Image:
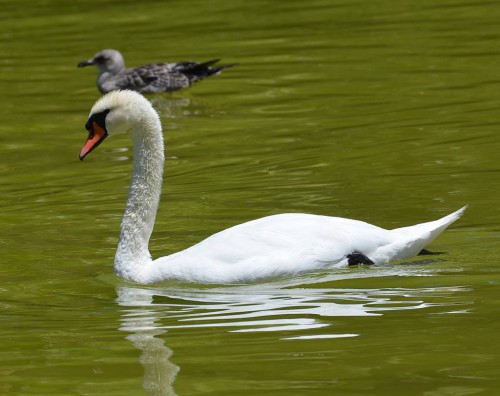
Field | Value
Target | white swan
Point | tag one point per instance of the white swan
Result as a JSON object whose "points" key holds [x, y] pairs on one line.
{"points": [[279, 245]]}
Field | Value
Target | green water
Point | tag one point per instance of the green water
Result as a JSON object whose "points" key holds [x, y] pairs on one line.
{"points": [[382, 111]]}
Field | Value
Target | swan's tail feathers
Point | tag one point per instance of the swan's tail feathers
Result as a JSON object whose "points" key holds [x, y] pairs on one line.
{"points": [[415, 238]]}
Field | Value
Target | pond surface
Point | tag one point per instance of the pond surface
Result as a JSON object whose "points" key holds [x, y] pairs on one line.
{"points": [[382, 111]]}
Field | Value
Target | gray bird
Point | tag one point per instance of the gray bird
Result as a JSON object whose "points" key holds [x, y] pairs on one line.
{"points": [[159, 77]]}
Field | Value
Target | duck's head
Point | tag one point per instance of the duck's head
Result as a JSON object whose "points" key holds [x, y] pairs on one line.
{"points": [[114, 113], [108, 60]]}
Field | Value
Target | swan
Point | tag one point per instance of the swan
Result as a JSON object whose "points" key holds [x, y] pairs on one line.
{"points": [[159, 77], [269, 247]]}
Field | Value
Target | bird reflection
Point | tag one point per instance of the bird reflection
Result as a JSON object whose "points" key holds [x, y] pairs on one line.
{"points": [[177, 107], [296, 310], [141, 322]]}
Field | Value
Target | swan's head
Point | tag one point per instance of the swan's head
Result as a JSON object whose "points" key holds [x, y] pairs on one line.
{"points": [[117, 112], [108, 60]]}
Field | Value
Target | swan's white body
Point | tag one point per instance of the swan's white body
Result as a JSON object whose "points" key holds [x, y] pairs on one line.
{"points": [[280, 245]]}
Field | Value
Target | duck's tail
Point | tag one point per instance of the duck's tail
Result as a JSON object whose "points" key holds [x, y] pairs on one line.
{"points": [[412, 239], [198, 71], [215, 69]]}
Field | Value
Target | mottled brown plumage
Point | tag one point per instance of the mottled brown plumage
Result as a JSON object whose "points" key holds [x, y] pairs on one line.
{"points": [[159, 77]]}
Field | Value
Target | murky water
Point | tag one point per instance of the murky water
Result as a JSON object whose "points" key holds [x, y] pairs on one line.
{"points": [[381, 111]]}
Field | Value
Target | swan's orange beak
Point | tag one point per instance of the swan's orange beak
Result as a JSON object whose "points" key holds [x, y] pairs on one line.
{"points": [[96, 135]]}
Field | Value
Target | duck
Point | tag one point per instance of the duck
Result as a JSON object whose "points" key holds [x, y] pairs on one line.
{"points": [[151, 78], [280, 245]]}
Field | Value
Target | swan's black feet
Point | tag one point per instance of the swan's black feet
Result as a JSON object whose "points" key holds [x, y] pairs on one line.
{"points": [[425, 252], [358, 258]]}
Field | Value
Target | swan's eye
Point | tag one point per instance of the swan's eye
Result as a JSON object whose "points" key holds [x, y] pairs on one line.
{"points": [[99, 119], [88, 125]]}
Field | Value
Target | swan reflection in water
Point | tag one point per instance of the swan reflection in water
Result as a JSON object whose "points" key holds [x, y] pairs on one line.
{"points": [[140, 319], [291, 307]]}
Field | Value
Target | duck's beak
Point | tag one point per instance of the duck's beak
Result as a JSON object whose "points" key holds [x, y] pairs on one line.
{"points": [[96, 135], [86, 63]]}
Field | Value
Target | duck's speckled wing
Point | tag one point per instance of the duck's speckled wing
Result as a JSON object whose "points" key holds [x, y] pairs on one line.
{"points": [[162, 77]]}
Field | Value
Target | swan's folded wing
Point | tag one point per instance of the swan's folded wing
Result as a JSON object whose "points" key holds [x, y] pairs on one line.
{"points": [[280, 245]]}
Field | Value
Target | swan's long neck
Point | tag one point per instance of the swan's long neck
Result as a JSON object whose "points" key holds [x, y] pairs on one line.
{"points": [[143, 199]]}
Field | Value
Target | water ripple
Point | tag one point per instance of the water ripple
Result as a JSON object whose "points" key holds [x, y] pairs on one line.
{"points": [[263, 308], [294, 310]]}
